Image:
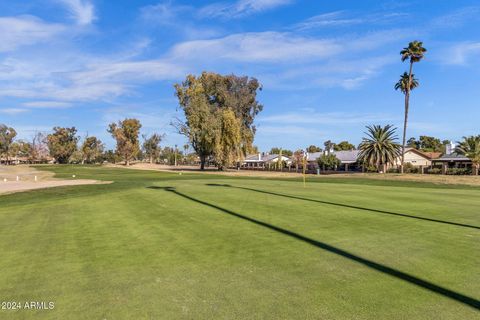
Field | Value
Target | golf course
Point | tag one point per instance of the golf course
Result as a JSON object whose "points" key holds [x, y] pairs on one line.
{"points": [[164, 245]]}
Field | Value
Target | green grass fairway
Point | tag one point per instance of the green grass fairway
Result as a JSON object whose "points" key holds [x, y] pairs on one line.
{"points": [[156, 245]]}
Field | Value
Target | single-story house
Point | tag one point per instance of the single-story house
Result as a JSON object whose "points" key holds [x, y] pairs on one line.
{"points": [[348, 159], [418, 158], [262, 160], [453, 160]]}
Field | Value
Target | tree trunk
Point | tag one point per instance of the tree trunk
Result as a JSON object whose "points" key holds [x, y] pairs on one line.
{"points": [[202, 162], [407, 105], [151, 160]]}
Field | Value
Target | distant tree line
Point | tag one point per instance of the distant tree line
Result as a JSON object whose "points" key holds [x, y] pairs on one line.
{"points": [[63, 146], [428, 144]]}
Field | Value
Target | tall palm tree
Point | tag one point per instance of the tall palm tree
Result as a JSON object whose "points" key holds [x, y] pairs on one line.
{"points": [[379, 147], [470, 148], [402, 83], [414, 53]]}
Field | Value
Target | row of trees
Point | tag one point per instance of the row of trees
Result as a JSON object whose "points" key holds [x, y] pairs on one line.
{"points": [[65, 146], [428, 144], [35, 150]]}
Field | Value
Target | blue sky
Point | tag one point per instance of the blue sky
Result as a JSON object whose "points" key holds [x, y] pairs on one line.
{"points": [[327, 67]]}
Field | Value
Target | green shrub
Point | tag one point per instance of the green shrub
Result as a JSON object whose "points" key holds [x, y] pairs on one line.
{"points": [[328, 162], [434, 171], [410, 168], [458, 171]]}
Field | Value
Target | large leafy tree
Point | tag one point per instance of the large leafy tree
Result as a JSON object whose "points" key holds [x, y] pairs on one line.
{"points": [[470, 147], [343, 146], [285, 152], [415, 52], [297, 157], [379, 148], [21, 148], [328, 161], [204, 99], [413, 143], [126, 135], [430, 144], [7, 136], [427, 144], [312, 149], [151, 146], [62, 143], [329, 145], [92, 150]]}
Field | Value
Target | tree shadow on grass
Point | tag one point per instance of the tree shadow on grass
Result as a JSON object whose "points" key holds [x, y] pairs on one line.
{"points": [[474, 303], [346, 206]]}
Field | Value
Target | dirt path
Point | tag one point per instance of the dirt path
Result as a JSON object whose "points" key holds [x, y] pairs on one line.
{"points": [[22, 178]]}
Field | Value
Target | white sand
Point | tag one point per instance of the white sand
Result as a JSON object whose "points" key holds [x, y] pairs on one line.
{"points": [[26, 176]]}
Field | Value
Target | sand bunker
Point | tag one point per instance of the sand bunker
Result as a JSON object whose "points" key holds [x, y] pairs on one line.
{"points": [[23, 178]]}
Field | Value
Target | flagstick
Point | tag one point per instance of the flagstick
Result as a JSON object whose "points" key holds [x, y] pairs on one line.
{"points": [[304, 165]]}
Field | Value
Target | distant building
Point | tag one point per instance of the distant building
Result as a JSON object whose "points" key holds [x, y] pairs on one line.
{"points": [[452, 159], [418, 158], [264, 160], [348, 159]]}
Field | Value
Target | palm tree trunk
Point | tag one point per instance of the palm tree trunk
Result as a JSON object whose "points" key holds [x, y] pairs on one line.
{"points": [[405, 121]]}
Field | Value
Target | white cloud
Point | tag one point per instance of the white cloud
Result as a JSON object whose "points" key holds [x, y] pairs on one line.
{"points": [[347, 72], [240, 8], [257, 47], [47, 104], [163, 13], [25, 30], [285, 47], [82, 11], [456, 18], [461, 54], [129, 70], [12, 111], [279, 60], [95, 81], [327, 19], [293, 132], [341, 18], [328, 118]]}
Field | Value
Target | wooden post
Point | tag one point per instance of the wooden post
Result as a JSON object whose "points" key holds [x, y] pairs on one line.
{"points": [[444, 168]]}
